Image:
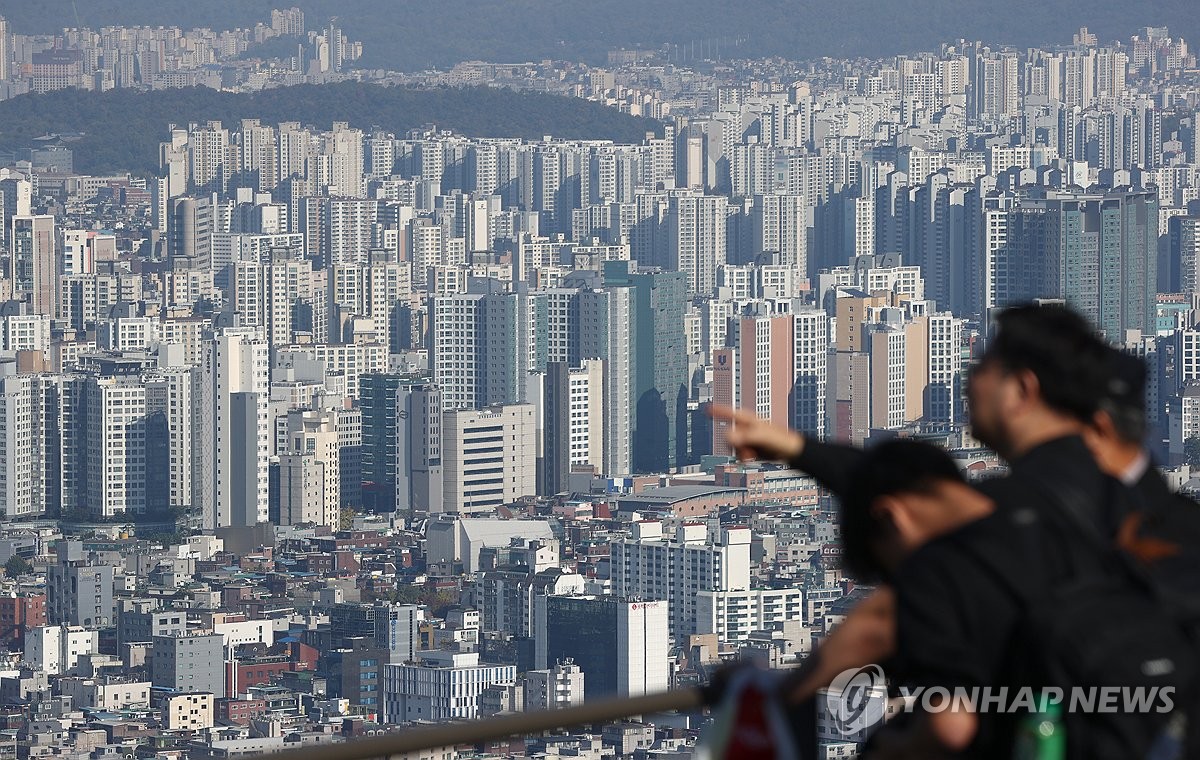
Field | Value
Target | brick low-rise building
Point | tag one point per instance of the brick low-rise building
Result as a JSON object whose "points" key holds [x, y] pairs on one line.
{"points": [[19, 613]]}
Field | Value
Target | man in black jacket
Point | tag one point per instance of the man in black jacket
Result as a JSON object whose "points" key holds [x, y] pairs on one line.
{"points": [[1031, 396], [1116, 438], [966, 574]]}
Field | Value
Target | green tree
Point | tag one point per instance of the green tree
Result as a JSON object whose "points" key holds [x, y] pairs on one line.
{"points": [[1191, 451], [16, 566]]}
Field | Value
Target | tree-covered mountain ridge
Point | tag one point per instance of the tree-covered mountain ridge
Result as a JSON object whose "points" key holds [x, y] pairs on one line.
{"points": [[122, 128]]}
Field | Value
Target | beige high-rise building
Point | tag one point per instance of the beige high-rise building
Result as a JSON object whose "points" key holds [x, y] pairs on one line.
{"points": [[754, 371], [488, 457], [5, 49], [32, 262], [313, 453], [881, 375]]}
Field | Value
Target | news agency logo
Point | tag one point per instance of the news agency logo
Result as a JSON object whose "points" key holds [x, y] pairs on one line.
{"points": [[857, 699]]}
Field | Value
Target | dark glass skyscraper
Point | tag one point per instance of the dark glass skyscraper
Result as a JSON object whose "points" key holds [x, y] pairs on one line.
{"points": [[659, 419]]}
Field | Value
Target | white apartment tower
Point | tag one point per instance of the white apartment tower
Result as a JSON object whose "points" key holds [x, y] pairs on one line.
{"points": [[676, 568], [169, 407], [696, 238], [208, 149], [116, 445], [348, 230], [32, 261], [811, 371], [780, 226], [232, 434], [26, 411], [5, 50], [287, 282]]}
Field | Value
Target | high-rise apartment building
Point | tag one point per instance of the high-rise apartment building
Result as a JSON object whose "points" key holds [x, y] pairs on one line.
{"points": [[780, 228], [169, 437], [1182, 273], [83, 248], [5, 50], [31, 448], [310, 483], [1098, 251], [33, 261], [773, 365], [696, 238], [401, 443], [880, 375], [190, 227], [116, 420], [484, 343], [232, 437], [347, 230], [573, 418], [211, 165], [658, 365], [608, 333]]}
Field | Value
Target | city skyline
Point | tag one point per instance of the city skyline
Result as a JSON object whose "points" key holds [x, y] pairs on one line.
{"points": [[321, 429]]}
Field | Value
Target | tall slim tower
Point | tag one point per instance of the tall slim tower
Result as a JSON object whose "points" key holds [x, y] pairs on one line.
{"points": [[657, 367], [754, 370], [29, 445], [696, 235], [189, 233], [116, 442], [5, 49], [233, 443], [31, 266]]}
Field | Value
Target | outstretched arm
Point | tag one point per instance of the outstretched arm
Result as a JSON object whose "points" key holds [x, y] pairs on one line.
{"points": [[752, 437]]}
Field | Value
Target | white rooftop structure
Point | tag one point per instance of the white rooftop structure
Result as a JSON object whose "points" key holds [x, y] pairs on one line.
{"points": [[456, 539]]}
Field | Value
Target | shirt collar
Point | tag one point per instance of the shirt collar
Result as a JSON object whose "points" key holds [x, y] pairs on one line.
{"points": [[1136, 469]]}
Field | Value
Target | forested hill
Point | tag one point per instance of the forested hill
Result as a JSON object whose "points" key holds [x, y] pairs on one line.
{"points": [[122, 128], [416, 34]]}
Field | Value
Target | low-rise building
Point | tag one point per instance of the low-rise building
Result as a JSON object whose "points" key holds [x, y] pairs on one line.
{"points": [[188, 712]]}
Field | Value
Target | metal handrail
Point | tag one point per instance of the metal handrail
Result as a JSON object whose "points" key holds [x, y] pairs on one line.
{"points": [[492, 729]]}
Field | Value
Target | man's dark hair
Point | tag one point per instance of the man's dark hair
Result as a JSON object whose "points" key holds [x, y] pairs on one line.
{"points": [[1060, 348], [1124, 395], [896, 467]]}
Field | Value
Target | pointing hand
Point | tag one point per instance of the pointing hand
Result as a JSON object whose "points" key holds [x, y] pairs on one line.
{"points": [[751, 437]]}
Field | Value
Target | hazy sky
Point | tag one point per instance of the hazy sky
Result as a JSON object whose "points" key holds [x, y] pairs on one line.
{"points": [[410, 34]]}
